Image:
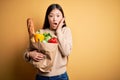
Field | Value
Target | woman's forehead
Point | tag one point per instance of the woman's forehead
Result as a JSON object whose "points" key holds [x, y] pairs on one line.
{"points": [[55, 11]]}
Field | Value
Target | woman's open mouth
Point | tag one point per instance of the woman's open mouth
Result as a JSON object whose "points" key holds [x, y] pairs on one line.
{"points": [[55, 24]]}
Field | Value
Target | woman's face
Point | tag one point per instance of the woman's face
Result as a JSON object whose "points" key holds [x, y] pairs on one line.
{"points": [[54, 18]]}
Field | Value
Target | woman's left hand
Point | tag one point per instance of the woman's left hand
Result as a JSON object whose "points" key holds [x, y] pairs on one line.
{"points": [[60, 25]]}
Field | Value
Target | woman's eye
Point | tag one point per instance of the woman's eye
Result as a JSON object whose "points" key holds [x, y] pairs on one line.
{"points": [[50, 15], [58, 15]]}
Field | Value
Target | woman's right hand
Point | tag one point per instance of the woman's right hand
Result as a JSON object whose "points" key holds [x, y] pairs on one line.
{"points": [[36, 56]]}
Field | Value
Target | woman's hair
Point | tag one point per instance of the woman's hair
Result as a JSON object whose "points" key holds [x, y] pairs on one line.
{"points": [[49, 9]]}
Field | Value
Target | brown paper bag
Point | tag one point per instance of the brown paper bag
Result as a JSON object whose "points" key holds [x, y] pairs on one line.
{"points": [[49, 50]]}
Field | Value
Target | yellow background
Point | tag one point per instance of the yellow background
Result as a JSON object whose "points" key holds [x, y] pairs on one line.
{"points": [[95, 26]]}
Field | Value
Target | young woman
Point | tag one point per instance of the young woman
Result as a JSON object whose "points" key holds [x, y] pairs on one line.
{"points": [[54, 23]]}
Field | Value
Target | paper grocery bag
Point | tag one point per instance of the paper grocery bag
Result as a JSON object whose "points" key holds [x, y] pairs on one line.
{"points": [[49, 50]]}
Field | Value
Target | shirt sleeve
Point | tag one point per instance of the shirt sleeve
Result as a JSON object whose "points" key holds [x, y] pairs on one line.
{"points": [[65, 41], [26, 56]]}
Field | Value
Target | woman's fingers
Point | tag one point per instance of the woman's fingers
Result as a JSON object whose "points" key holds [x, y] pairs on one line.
{"points": [[63, 19], [36, 56], [39, 57], [61, 23]]}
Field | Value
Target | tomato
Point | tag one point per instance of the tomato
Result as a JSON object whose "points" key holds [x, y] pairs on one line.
{"points": [[53, 40]]}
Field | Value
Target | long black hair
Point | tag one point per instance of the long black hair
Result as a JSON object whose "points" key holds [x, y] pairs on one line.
{"points": [[49, 9]]}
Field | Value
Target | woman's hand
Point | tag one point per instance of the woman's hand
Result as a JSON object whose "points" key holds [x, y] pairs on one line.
{"points": [[30, 26], [36, 56], [61, 23]]}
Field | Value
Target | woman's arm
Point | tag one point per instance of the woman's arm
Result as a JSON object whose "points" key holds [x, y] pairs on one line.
{"points": [[65, 40], [34, 55]]}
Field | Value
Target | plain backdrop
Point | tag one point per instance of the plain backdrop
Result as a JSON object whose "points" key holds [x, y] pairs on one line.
{"points": [[95, 26]]}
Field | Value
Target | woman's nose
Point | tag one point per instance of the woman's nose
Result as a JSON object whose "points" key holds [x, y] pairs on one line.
{"points": [[54, 18]]}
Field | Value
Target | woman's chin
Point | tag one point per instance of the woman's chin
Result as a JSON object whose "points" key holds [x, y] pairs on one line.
{"points": [[54, 27]]}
